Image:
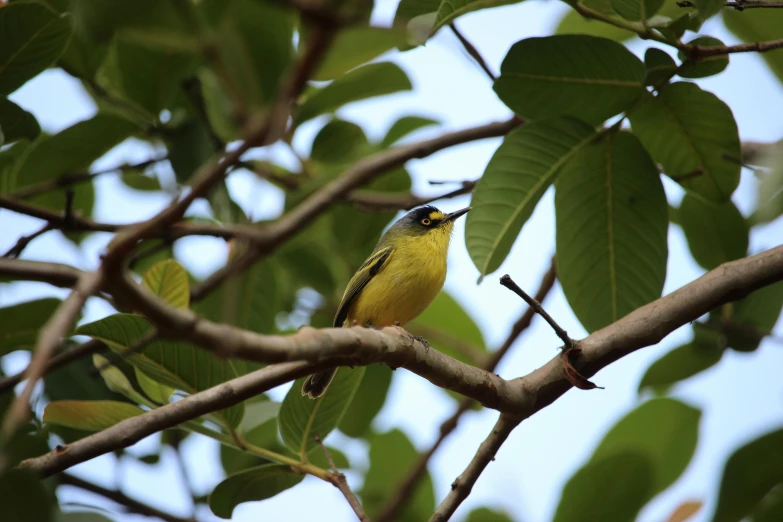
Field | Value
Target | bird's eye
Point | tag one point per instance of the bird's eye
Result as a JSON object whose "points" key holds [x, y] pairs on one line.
{"points": [[426, 222]]}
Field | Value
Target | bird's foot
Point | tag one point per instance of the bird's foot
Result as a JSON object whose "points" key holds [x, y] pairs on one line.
{"points": [[423, 341]]}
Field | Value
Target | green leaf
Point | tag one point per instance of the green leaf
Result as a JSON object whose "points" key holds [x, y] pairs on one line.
{"points": [[750, 474], [716, 233], [97, 20], [684, 361], [157, 392], [355, 46], [23, 494], [72, 150], [301, 417], [259, 428], [755, 317], [33, 37], [16, 123], [575, 23], [404, 126], [172, 363], [339, 141], [520, 171], [80, 516], [418, 18], [484, 514], [445, 315], [116, 381], [169, 281], [368, 81], [449, 10], [758, 25], [769, 189], [256, 48], [612, 221], [89, 415], [391, 456], [614, 488], [691, 133], [583, 76], [635, 10], [770, 509], [254, 484], [150, 78], [659, 66], [664, 431], [703, 67], [219, 107], [190, 146], [368, 401], [708, 8], [139, 181], [20, 324]]}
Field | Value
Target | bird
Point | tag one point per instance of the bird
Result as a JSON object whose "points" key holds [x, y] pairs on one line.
{"points": [[399, 280]]}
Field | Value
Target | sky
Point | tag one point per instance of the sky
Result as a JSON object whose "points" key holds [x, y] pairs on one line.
{"points": [[740, 397]]}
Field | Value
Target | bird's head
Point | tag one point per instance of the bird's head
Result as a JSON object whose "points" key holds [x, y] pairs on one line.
{"points": [[428, 221]]}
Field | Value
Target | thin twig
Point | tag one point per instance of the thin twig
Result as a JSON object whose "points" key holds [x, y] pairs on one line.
{"points": [[406, 486], [535, 305], [472, 51], [740, 4], [23, 241], [461, 487], [67, 180], [59, 360], [372, 201], [49, 338], [131, 504], [338, 479]]}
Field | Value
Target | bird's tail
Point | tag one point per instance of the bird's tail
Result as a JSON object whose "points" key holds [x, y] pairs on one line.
{"points": [[315, 385]]}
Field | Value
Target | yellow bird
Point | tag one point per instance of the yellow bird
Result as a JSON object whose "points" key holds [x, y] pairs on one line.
{"points": [[399, 281]]}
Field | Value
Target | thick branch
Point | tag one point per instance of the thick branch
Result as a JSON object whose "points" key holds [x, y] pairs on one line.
{"points": [[132, 505], [57, 274]]}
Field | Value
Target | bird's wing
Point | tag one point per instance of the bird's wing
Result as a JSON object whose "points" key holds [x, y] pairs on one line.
{"points": [[359, 280]]}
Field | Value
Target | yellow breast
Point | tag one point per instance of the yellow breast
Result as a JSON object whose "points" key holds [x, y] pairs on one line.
{"points": [[408, 283]]}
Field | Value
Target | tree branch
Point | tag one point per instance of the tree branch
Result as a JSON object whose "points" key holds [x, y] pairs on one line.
{"points": [[741, 4], [373, 201], [338, 479], [406, 486], [57, 274], [132, 505], [472, 51], [460, 488]]}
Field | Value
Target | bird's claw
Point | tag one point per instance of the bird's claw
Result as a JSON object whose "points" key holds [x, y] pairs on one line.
{"points": [[423, 341]]}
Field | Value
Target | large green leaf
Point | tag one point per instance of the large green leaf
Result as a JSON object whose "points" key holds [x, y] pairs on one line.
{"points": [[391, 456], [449, 10], [703, 67], [16, 123], [301, 418], [716, 233], [256, 48], [169, 281], [612, 221], [693, 135], [750, 474], [89, 415], [32, 37], [445, 315], [520, 171], [254, 484], [368, 401], [755, 317], [758, 25], [151, 78], [587, 77], [708, 8], [355, 46], [173, 363], [339, 141], [404, 126], [375, 79], [20, 323], [23, 494], [614, 488], [71, 150], [665, 431], [684, 361], [636, 9]]}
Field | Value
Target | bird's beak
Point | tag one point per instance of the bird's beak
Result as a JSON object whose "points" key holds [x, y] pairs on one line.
{"points": [[456, 214]]}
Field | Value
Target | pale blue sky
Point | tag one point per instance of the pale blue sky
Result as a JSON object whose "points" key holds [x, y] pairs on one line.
{"points": [[740, 397]]}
